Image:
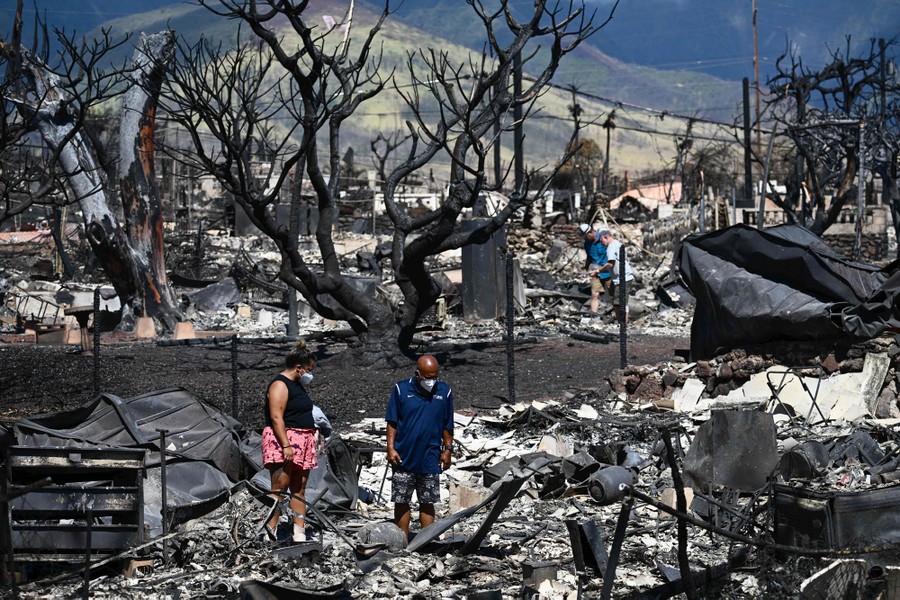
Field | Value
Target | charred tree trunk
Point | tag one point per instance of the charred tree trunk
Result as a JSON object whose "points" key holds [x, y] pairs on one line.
{"points": [[134, 267], [137, 180]]}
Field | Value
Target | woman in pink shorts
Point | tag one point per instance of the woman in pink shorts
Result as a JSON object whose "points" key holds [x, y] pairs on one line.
{"points": [[289, 437]]}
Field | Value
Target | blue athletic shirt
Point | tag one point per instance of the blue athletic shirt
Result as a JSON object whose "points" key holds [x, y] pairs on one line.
{"points": [[597, 253], [421, 419]]}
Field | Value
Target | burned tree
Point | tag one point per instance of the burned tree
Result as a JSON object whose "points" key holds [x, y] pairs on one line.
{"points": [[30, 176], [26, 179], [320, 79], [837, 118], [56, 103]]}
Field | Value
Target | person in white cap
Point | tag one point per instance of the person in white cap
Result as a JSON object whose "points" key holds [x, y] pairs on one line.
{"points": [[612, 253]]}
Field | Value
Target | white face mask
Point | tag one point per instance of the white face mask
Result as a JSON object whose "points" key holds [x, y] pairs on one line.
{"points": [[306, 378], [427, 384]]}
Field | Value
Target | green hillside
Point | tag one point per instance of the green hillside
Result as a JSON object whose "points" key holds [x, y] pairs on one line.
{"points": [[592, 72]]}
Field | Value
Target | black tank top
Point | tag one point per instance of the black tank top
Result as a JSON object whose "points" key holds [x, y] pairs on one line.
{"points": [[298, 411]]}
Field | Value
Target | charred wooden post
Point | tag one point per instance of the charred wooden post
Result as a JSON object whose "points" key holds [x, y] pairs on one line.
{"points": [[510, 328], [681, 506], [623, 311], [96, 348], [610, 576], [235, 405], [164, 489]]}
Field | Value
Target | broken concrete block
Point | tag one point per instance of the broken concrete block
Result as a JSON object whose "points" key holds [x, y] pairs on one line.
{"points": [[556, 445], [687, 397], [73, 336], [184, 330], [874, 372], [886, 408], [557, 250], [145, 329], [843, 395], [265, 318], [243, 311], [669, 497], [587, 412], [465, 494]]}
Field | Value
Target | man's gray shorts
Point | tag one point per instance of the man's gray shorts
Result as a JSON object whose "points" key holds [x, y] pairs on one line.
{"points": [[426, 485]]}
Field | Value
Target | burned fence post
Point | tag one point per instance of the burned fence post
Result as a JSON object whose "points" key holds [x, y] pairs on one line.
{"points": [[610, 576], [164, 492], [681, 506], [96, 341], [510, 327], [88, 518], [623, 310], [235, 407]]}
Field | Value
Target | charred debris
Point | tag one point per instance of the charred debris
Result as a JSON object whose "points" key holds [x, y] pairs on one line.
{"points": [[766, 468], [777, 488]]}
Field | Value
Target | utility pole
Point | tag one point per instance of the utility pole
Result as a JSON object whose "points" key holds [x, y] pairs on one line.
{"points": [[860, 191], [800, 92], [756, 75], [609, 124], [748, 175], [883, 74], [517, 116]]}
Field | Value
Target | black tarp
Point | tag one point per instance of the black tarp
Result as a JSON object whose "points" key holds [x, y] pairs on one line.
{"points": [[208, 456], [782, 283]]}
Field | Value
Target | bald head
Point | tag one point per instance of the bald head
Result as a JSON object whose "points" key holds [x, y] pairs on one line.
{"points": [[427, 367]]}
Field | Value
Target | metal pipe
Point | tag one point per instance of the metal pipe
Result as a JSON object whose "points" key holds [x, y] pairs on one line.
{"points": [[164, 491], [623, 311], [96, 341], [88, 542], [235, 408], [510, 328], [860, 192]]}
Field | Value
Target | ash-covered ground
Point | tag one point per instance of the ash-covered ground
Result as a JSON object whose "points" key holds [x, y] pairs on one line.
{"points": [[40, 379]]}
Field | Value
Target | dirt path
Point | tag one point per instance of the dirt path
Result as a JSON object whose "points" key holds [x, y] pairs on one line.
{"points": [[42, 379]]}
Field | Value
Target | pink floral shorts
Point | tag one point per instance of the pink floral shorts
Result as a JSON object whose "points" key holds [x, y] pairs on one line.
{"points": [[303, 441]]}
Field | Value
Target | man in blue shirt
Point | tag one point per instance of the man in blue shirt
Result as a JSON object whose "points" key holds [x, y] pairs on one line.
{"points": [[595, 257], [419, 440]]}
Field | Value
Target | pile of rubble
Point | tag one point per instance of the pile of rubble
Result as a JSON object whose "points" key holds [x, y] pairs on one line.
{"points": [[787, 488], [765, 471], [245, 297]]}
